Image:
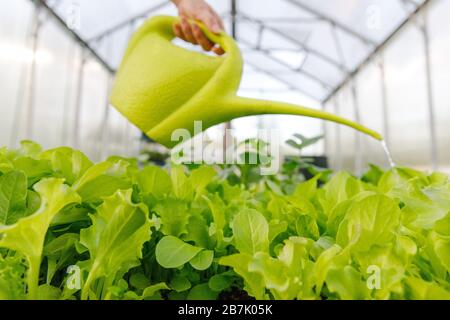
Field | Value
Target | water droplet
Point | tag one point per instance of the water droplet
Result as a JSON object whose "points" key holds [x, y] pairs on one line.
{"points": [[388, 154]]}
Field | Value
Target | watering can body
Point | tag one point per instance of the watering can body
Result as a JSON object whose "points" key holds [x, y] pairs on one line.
{"points": [[161, 87]]}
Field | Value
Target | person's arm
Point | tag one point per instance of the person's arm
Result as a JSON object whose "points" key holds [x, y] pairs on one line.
{"points": [[198, 10]]}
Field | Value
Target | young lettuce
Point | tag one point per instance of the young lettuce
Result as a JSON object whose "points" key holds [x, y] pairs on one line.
{"points": [[204, 232], [28, 234]]}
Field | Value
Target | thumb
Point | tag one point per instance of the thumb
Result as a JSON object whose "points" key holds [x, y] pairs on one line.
{"points": [[212, 23], [216, 28]]}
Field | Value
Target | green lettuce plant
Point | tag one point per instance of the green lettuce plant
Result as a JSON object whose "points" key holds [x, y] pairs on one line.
{"points": [[72, 229]]}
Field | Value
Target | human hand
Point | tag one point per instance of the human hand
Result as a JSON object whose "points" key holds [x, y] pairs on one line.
{"points": [[198, 10]]}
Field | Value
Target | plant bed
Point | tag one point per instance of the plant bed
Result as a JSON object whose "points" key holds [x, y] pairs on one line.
{"points": [[72, 229]]}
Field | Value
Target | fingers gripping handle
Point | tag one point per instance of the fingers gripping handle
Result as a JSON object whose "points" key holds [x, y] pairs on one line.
{"points": [[165, 26]]}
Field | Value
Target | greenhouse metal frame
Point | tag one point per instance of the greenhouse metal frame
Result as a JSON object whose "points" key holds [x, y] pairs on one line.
{"points": [[416, 16]]}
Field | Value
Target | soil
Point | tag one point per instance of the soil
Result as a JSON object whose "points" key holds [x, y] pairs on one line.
{"points": [[235, 294]]}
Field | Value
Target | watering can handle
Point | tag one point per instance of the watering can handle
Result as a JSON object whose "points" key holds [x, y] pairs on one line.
{"points": [[164, 26], [216, 38]]}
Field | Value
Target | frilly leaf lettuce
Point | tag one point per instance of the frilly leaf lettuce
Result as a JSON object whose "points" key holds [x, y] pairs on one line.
{"points": [[154, 180], [119, 230], [12, 273], [58, 253], [70, 164], [348, 283], [103, 180], [28, 234], [174, 214], [374, 220], [253, 282], [124, 231], [419, 289]]}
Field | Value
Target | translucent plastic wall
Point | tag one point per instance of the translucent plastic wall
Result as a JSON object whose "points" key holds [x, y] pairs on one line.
{"points": [[439, 29], [64, 100], [52, 91], [402, 110]]}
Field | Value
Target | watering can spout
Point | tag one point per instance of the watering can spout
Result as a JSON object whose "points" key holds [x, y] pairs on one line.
{"points": [[161, 87], [246, 107]]}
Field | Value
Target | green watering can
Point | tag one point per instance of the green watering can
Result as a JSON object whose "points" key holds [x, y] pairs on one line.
{"points": [[161, 87]]}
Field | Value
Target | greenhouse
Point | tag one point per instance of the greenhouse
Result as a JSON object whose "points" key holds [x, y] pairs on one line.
{"points": [[224, 150]]}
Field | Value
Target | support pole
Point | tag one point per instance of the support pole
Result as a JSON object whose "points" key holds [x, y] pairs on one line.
{"points": [[324, 133], [29, 111], [234, 19], [227, 137], [338, 45], [430, 96], [358, 142], [384, 102], [70, 66], [17, 125], [337, 144], [78, 101], [104, 130]]}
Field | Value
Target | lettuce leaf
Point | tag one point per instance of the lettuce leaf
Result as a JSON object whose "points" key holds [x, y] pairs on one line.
{"points": [[28, 234], [13, 197], [250, 232], [115, 239]]}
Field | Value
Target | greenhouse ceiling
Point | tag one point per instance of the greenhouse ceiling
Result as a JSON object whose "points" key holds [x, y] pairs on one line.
{"points": [[313, 47]]}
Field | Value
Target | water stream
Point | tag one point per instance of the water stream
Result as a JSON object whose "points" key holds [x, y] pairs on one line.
{"points": [[388, 154]]}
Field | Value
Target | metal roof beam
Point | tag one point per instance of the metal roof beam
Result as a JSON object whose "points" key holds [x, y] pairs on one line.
{"points": [[126, 22], [257, 48], [74, 34], [339, 25], [291, 20], [266, 89], [376, 50], [269, 55], [279, 79], [302, 45], [305, 73]]}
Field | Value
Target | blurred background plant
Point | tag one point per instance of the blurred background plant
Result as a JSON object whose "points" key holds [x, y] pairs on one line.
{"points": [[252, 154]]}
